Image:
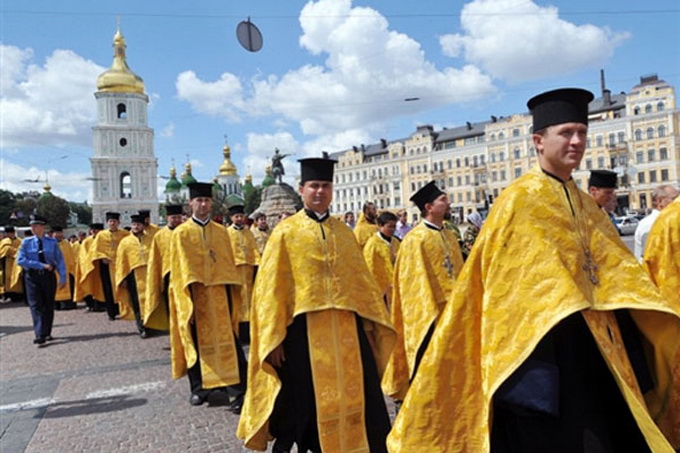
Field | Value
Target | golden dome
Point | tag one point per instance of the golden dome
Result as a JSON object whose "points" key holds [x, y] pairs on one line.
{"points": [[119, 78], [249, 178], [227, 168]]}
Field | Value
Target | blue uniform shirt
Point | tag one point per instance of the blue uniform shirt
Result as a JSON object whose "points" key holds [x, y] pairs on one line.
{"points": [[28, 255]]}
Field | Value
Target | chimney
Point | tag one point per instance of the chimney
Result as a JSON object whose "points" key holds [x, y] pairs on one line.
{"points": [[493, 119], [383, 142], [606, 94], [469, 125]]}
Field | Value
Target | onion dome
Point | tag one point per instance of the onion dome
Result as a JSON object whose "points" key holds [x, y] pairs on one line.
{"points": [[187, 177], [119, 78], [268, 179], [227, 168], [173, 185]]}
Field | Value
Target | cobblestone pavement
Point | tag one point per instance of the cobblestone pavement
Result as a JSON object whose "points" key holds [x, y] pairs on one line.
{"points": [[99, 387]]}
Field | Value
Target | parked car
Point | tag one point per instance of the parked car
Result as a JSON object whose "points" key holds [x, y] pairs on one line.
{"points": [[627, 225]]}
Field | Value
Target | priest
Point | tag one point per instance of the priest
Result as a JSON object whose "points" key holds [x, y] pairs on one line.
{"points": [[554, 338], [63, 300], [320, 334], [662, 253], [86, 284]]}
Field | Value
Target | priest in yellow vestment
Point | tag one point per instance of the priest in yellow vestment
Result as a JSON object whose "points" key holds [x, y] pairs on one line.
{"points": [[662, 252], [554, 338], [87, 287], [130, 282], [380, 254], [428, 263], [156, 311], [247, 259], [260, 230], [320, 335], [203, 320], [9, 247], [150, 229], [63, 300], [366, 226]]}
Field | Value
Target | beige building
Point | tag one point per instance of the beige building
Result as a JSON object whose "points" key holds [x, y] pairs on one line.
{"points": [[635, 134]]}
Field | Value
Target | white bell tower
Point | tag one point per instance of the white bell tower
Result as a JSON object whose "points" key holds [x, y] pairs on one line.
{"points": [[124, 166]]}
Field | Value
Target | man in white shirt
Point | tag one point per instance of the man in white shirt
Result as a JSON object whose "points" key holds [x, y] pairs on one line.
{"points": [[662, 196]]}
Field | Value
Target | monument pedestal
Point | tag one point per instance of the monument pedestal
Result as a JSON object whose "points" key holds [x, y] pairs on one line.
{"points": [[276, 199]]}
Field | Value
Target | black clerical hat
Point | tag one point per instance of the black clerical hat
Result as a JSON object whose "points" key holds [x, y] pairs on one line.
{"points": [[137, 218], [113, 216], [427, 194], [566, 105], [145, 213], [602, 179], [237, 209], [96, 226], [316, 169], [200, 189], [173, 209], [57, 229], [9, 229], [37, 220]]}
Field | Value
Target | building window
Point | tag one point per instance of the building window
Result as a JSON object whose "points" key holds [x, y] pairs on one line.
{"points": [[457, 163], [502, 175], [451, 181], [481, 159], [663, 153], [515, 132], [518, 172], [643, 201], [122, 111], [660, 106], [459, 180], [467, 180], [600, 162], [468, 196], [599, 141], [413, 187], [123, 142], [589, 164], [652, 176], [664, 175], [493, 157], [651, 155], [612, 139], [467, 161], [449, 164], [501, 136], [623, 160], [125, 185], [650, 132], [661, 131], [494, 176], [622, 137], [636, 111], [501, 156], [648, 108], [516, 153], [639, 157], [641, 177], [638, 134], [460, 197], [475, 161]]}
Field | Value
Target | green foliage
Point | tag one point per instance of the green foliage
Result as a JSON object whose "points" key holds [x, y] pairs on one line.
{"points": [[83, 211], [252, 199], [25, 204], [7, 200], [55, 209]]}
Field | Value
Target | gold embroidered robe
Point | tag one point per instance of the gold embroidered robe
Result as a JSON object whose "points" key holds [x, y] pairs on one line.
{"points": [[261, 237], [85, 283], [202, 267], [104, 246], [422, 285], [364, 230], [316, 269], [662, 252], [10, 281], [526, 274], [132, 256], [380, 257], [155, 315], [64, 293], [246, 258]]}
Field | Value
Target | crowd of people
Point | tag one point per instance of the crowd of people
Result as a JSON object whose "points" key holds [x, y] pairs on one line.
{"points": [[535, 330]]}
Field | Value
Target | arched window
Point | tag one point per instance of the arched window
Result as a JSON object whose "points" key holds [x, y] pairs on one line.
{"points": [[650, 132], [638, 134], [501, 156], [660, 106], [662, 131], [636, 111], [125, 185], [493, 137], [648, 108], [516, 153], [122, 111], [501, 136]]}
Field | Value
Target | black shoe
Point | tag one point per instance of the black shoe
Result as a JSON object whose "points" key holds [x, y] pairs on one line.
{"points": [[49, 338], [143, 334], [112, 318], [196, 399], [236, 405], [39, 341]]}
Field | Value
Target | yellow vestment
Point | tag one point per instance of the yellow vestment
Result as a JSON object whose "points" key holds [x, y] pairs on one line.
{"points": [[64, 293], [428, 263], [261, 237], [662, 252], [316, 269], [155, 315], [202, 265], [527, 272], [104, 246], [9, 271], [151, 230], [363, 230], [131, 256], [246, 258], [380, 257], [86, 283]]}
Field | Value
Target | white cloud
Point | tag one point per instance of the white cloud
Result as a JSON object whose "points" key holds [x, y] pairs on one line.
{"points": [[518, 40], [72, 186], [48, 104], [260, 148], [168, 130], [368, 72]]}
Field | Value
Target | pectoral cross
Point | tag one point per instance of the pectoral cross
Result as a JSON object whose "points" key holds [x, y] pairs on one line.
{"points": [[213, 255], [449, 266], [591, 268]]}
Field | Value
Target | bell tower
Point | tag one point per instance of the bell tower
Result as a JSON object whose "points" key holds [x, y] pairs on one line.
{"points": [[124, 166]]}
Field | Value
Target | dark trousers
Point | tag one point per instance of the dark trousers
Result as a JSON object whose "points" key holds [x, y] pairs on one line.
{"points": [[134, 299], [194, 373], [111, 307], [41, 287]]}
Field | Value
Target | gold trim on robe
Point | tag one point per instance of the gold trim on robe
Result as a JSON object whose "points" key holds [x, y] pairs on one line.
{"points": [[425, 272], [380, 257], [246, 257], [132, 256], [86, 283], [104, 246], [155, 316], [316, 269], [364, 230], [202, 268], [64, 293], [526, 273]]}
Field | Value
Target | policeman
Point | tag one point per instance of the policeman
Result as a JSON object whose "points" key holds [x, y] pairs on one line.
{"points": [[40, 257]]}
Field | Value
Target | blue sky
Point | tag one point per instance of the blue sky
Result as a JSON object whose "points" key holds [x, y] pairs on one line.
{"points": [[331, 73]]}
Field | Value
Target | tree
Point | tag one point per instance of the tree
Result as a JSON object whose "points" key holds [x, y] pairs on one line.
{"points": [[252, 199], [83, 211], [7, 200], [25, 205], [55, 209]]}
